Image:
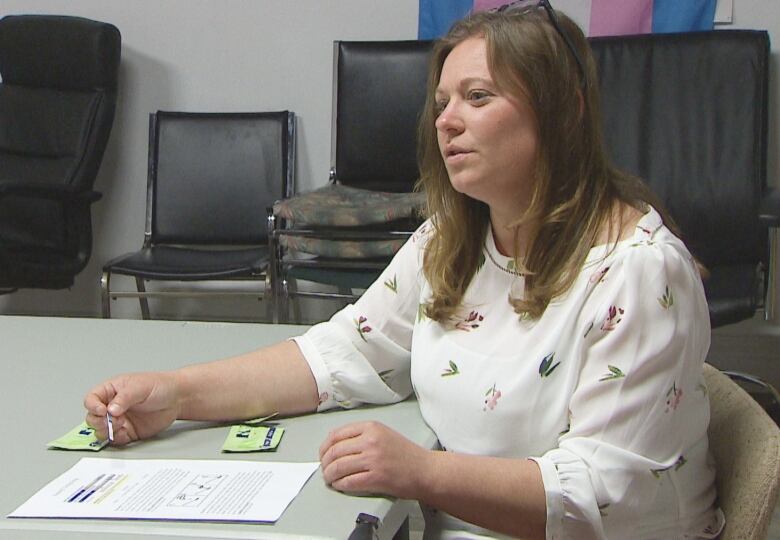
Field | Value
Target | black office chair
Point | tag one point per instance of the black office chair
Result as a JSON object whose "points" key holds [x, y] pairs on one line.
{"points": [[212, 177], [57, 102], [688, 113], [344, 234]]}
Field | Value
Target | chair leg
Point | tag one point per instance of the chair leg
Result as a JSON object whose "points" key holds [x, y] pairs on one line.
{"points": [[269, 297], [770, 302], [139, 284], [274, 272], [289, 298], [274, 287], [105, 297], [284, 301], [296, 304]]}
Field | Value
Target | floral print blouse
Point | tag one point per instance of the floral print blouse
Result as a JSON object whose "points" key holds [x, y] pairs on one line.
{"points": [[605, 391]]}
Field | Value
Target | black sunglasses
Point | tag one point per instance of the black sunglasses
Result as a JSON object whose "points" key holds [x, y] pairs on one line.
{"points": [[528, 5]]}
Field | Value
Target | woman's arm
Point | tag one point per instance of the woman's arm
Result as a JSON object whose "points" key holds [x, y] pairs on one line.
{"points": [[503, 495], [500, 494], [273, 379]]}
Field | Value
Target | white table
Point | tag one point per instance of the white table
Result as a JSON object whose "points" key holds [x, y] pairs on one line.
{"points": [[48, 364]]}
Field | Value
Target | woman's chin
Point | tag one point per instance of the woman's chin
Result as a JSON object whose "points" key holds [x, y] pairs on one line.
{"points": [[469, 187]]}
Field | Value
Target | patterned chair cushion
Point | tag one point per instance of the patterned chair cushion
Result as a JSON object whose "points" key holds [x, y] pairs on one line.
{"points": [[336, 205], [342, 249]]}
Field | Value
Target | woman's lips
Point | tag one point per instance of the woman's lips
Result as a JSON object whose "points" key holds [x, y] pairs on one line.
{"points": [[456, 154]]}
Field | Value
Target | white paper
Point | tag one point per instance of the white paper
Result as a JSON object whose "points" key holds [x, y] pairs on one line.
{"points": [[164, 489]]}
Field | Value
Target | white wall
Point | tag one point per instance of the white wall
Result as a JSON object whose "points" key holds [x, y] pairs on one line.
{"points": [[207, 55], [238, 55]]}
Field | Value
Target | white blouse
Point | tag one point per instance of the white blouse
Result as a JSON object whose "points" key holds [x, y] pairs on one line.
{"points": [[605, 391]]}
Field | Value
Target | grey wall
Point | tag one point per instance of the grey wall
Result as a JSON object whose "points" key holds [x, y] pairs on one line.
{"points": [[237, 55]]}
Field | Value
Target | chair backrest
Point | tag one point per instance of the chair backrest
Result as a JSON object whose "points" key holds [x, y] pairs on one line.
{"points": [[57, 97], [379, 92], [745, 443], [212, 176], [57, 102], [688, 114]]}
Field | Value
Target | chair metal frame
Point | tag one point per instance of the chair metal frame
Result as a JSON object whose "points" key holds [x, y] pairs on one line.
{"points": [[141, 293], [768, 214], [284, 288]]}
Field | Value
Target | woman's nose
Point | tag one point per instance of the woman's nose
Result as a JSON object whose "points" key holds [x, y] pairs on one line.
{"points": [[449, 120]]}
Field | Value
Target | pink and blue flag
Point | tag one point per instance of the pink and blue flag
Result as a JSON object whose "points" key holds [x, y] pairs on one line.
{"points": [[619, 17], [607, 17]]}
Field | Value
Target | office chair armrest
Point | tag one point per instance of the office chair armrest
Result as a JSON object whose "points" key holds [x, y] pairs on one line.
{"points": [[55, 192], [769, 211]]}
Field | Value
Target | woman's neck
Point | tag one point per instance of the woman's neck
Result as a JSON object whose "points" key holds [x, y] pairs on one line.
{"points": [[504, 236]]}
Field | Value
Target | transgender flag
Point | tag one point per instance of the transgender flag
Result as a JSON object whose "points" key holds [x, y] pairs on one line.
{"points": [[607, 17], [618, 17]]}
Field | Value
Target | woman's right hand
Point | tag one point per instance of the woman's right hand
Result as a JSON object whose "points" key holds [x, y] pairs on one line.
{"points": [[141, 405]]}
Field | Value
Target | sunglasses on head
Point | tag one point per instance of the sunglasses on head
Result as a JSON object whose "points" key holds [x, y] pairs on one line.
{"points": [[529, 5]]}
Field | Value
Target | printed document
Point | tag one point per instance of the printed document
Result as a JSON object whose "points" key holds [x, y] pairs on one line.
{"points": [[163, 489]]}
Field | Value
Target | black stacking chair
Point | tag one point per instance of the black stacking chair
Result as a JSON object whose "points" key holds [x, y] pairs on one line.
{"points": [[212, 177], [344, 234], [57, 102], [688, 113]]}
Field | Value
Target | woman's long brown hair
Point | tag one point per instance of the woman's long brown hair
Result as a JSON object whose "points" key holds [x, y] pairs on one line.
{"points": [[576, 191]]}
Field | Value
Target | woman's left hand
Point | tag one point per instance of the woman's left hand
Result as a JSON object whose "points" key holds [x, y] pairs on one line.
{"points": [[369, 457]]}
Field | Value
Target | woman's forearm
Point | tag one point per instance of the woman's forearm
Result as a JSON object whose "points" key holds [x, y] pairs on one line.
{"points": [[503, 495], [274, 379]]}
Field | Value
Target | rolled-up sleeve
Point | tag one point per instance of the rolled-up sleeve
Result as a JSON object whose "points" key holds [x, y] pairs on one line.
{"points": [[363, 353], [635, 408]]}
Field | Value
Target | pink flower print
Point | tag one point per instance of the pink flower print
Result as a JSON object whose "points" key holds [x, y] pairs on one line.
{"points": [[362, 328], [599, 275], [491, 398], [646, 242], [472, 321], [614, 316], [323, 397], [673, 398]]}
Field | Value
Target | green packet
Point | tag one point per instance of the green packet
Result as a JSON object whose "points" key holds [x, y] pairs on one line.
{"points": [[249, 438], [81, 437]]}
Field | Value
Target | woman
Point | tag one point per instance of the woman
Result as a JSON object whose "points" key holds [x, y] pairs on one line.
{"points": [[550, 324]]}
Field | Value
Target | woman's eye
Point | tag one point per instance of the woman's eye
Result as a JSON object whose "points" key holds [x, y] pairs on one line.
{"points": [[439, 107], [477, 96]]}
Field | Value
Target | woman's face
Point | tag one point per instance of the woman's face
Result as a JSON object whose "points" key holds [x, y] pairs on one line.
{"points": [[487, 138]]}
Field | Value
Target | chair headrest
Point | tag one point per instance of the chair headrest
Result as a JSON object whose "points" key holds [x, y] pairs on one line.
{"points": [[57, 51]]}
